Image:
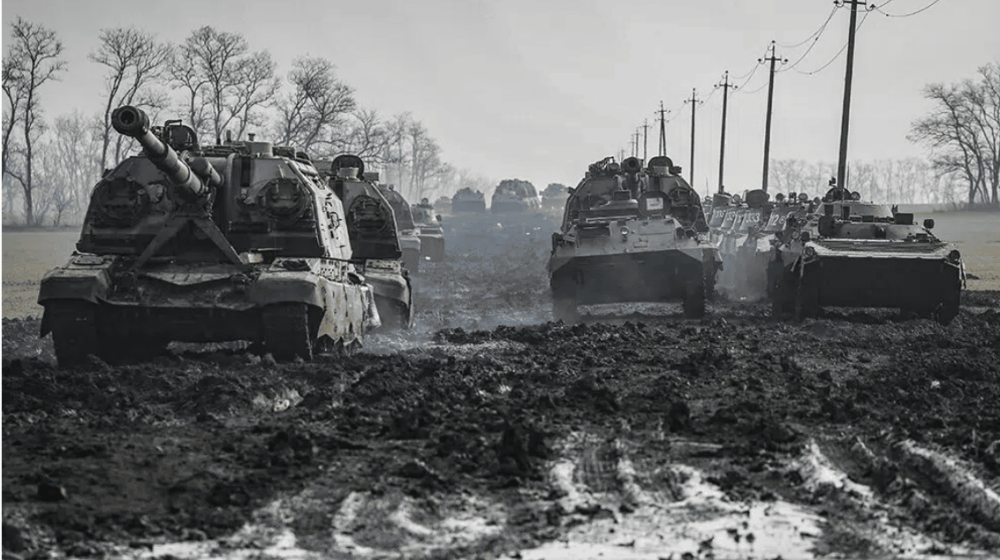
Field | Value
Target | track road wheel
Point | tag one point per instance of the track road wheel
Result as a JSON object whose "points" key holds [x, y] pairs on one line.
{"points": [[286, 331], [694, 300], [74, 331]]}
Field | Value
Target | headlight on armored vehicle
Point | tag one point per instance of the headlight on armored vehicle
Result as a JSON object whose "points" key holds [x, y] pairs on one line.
{"points": [[954, 256], [810, 252]]}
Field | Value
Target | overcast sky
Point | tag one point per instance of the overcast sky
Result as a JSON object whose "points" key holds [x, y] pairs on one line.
{"points": [[537, 89]]}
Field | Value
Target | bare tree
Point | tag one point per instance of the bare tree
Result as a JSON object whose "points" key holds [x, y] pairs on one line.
{"points": [[963, 132], [32, 61], [309, 114], [225, 85], [135, 60]]}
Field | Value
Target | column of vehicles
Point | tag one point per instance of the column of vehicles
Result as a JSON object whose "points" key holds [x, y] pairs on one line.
{"points": [[804, 254], [633, 233], [238, 241]]}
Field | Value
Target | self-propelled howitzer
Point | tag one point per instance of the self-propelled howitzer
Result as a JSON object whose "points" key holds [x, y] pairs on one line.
{"points": [[192, 243]]}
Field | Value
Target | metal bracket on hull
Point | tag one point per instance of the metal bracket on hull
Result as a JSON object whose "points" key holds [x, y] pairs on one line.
{"points": [[174, 225]]}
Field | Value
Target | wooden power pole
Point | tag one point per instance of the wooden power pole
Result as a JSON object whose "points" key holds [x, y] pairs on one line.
{"points": [[693, 101], [663, 129], [846, 115], [770, 100], [725, 85]]}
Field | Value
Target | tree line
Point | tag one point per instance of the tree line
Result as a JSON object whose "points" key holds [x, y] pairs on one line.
{"points": [[217, 84]]}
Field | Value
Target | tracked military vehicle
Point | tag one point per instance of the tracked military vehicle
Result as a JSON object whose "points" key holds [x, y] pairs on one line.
{"points": [[632, 234], [468, 200], [428, 225], [514, 195], [406, 228], [371, 224], [204, 244], [554, 197], [860, 254]]}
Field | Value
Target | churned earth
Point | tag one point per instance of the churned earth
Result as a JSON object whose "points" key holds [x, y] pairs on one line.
{"points": [[489, 431]]}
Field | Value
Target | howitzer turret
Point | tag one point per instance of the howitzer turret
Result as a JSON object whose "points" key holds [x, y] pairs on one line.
{"points": [[133, 122], [191, 243]]}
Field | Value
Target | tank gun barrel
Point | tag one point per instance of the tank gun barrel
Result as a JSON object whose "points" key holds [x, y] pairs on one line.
{"points": [[133, 122]]}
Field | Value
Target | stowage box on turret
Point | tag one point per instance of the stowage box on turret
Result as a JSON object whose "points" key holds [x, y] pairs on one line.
{"points": [[195, 243]]}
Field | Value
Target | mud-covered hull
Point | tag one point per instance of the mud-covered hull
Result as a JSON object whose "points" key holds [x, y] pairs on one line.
{"points": [[432, 246], [640, 261], [508, 205], [627, 277], [393, 293], [409, 243], [93, 306], [459, 206], [862, 274], [916, 277]]}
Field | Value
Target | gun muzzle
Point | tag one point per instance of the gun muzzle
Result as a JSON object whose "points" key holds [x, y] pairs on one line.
{"points": [[133, 122]]}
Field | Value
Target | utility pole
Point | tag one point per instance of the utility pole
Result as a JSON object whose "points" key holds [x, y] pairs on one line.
{"points": [[770, 99], [725, 85], [846, 116], [693, 101], [663, 129], [645, 139]]}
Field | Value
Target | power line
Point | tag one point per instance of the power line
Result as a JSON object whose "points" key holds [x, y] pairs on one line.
{"points": [[819, 34], [879, 9], [840, 52], [755, 90], [818, 31]]}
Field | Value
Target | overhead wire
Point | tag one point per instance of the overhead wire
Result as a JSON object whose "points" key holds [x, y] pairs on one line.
{"points": [[822, 29], [815, 33], [879, 9], [836, 56]]}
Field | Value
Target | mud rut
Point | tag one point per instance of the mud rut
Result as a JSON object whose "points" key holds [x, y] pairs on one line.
{"points": [[633, 435]]}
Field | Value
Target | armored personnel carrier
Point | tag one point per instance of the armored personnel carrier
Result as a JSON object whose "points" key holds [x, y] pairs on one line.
{"points": [[860, 254], [406, 228], [371, 224], [632, 234], [193, 243], [554, 197], [468, 200], [514, 195], [428, 224]]}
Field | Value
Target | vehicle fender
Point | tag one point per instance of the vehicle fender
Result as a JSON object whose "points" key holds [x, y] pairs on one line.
{"points": [[89, 284]]}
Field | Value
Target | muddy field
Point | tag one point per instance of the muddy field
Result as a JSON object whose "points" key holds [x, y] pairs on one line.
{"points": [[490, 431]]}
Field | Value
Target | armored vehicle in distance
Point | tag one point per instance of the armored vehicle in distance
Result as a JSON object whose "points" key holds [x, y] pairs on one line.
{"points": [[554, 196], [406, 228], [859, 254], [468, 200], [193, 243], [515, 195], [371, 224], [428, 225], [632, 234]]}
